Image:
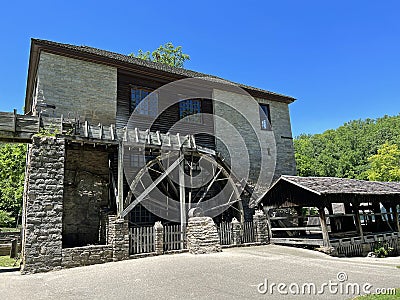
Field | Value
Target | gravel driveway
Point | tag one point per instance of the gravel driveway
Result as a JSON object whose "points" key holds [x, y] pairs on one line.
{"points": [[260, 272]]}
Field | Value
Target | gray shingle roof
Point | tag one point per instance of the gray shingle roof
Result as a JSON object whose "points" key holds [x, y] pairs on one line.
{"points": [[331, 185], [146, 64]]}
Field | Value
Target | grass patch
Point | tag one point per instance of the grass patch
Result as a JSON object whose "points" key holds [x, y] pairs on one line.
{"points": [[6, 261], [380, 297], [10, 229], [398, 267]]}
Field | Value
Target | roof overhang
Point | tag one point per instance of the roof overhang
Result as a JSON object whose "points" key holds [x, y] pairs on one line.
{"points": [[128, 64]]}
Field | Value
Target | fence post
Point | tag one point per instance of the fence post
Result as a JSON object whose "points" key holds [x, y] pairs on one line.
{"points": [[236, 232], [13, 250], [118, 237], [260, 227], [158, 238]]}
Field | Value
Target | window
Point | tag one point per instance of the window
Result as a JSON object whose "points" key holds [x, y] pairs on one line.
{"points": [[265, 117], [190, 109], [149, 106]]}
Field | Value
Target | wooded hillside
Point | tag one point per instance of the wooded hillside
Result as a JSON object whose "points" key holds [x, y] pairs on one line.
{"points": [[351, 151]]}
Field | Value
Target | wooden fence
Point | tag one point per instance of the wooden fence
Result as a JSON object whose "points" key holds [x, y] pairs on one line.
{"points": [[249, 234], [225, 233], [356, 247], [142, 239], [172, 237]]}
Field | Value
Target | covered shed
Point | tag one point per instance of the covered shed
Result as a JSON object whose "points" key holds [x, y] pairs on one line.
{"points": [[333, 212]]}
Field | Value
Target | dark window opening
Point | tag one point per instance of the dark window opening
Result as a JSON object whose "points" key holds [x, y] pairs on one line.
{"points": [[142, 105], [190, 110], [265, 117]]}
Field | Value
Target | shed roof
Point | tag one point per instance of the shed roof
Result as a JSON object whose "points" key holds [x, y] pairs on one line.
{"points": [[315, 190], [333, 185]]}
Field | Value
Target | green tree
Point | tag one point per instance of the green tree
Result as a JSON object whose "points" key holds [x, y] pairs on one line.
{"points": [[385, 166], [12, 173], [166, 54], [344, 152]]}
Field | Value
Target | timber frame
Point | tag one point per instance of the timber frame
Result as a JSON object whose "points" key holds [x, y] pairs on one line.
{"points": [[360, 220]]}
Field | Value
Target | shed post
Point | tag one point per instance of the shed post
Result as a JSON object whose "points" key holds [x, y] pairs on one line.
{"points": [[396, 218], [358, 221], [324, 227], [266, 212]]}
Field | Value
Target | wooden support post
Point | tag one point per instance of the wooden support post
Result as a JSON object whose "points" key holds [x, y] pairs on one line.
{"points": [[182, 200], [86, 129], [358, 221], [14, 250], [100, 131], [266, 212], [396, 218], [112, 133], [120, 178], [324, 227], [15, 121]]}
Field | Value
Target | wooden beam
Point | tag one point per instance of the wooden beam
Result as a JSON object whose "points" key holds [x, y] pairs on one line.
{"points": [[324, 227], [151, 187]]}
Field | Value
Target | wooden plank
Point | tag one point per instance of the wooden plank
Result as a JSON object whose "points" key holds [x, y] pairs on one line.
{"points": [[309, 228], [298, 241]]}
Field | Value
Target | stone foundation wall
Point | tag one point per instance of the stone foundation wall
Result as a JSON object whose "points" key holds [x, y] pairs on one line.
{"points": [[43, 207], [117, 247], [85, 256]]}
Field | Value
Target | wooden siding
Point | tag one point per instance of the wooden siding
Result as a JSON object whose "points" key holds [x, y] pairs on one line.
{"points": [[170, 113]]}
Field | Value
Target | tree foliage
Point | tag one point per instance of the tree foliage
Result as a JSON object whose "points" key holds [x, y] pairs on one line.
{"points": [[385, 165], [12, 173], [345, 152], [166, 54]]}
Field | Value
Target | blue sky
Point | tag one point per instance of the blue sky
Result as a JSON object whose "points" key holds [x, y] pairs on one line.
{"points": [[340, 59]]}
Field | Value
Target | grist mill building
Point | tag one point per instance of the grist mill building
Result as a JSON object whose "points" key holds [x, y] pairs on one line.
{"points": [[128, 158], [122, 149]]}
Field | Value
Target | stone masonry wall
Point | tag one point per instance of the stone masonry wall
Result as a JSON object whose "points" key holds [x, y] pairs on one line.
{"points": [[42, 241], [258, 141], [202, 236], [76, 87], [117, 247]]}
